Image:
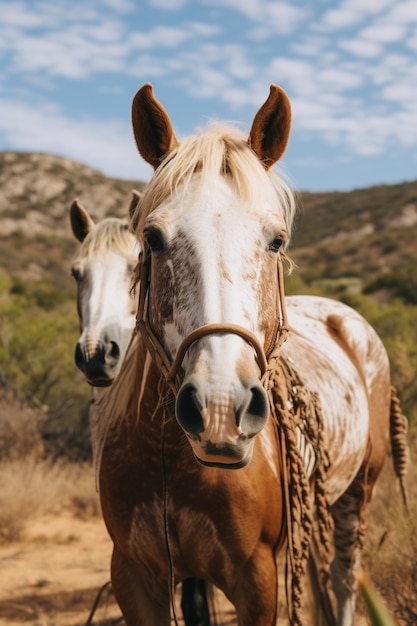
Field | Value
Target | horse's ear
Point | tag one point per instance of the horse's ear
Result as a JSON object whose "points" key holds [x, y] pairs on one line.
{"points": [[271, 127], [136, 197], [81, 222], [151, 126]]}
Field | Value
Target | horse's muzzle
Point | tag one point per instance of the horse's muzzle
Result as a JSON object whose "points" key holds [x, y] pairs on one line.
{"points": [[220, 435], [101, 367]]}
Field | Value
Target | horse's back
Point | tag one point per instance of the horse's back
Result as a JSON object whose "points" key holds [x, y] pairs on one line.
{"points": [[340, 356], [314, 315]]}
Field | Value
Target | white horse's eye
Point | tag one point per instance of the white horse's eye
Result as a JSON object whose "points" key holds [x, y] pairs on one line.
{"points": [[76, 273], [154, 238], [276, 244]]}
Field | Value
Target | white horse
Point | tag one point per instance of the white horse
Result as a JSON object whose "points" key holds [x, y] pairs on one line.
{"points": [[106, 307]]}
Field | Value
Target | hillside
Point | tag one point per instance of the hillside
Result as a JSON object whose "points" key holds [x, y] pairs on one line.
{"points": [[364, 233], [36, 191], [361, 233]]}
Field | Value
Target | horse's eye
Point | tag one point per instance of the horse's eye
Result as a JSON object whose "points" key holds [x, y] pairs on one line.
{"points": [[276, 244], [154, 238], [76, 273]]}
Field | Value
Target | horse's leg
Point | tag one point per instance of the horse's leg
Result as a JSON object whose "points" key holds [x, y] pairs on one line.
{"points": [[138, 607], [255, 592], [194, 603], [348, 537], [348, 514]]}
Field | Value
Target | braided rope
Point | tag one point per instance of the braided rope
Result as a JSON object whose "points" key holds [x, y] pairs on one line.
{"points": [[398, 436], [294, 407]]}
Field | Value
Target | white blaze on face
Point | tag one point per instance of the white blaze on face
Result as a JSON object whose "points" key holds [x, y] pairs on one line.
{"points": [[229, 248], [104, 298], [213, 264]]}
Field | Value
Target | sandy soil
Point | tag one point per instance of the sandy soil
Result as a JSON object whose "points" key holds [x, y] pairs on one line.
{"points": [[52, 577]]}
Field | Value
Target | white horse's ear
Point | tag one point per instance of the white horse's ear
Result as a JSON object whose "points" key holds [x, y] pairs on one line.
{"points": [[151, 126], [271, 127], [136, 197], [81, 222]]}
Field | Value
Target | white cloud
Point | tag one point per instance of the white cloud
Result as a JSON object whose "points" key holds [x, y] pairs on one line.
{"points": [[252, 10], [384, 33], [352, 12], [411, 42], [402, 93], [403, 11], [18, 15], [104, 144], [160, 36], [267, 17], [168, 5], [121, 6], [70, 54], [361, 47]]}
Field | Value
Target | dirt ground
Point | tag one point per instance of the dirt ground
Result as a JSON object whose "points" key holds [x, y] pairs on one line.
{"points": [[52, 577]]}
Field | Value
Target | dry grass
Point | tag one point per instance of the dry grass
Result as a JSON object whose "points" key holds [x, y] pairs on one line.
{"points": [[390, 554], [20, 427], [31, 488], [30, 485]]}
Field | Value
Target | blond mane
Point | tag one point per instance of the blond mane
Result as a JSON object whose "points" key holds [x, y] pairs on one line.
{"points": [[113, 234], [223, 150]]}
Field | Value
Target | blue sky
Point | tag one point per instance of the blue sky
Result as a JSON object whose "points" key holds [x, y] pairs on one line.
{"points": [[69, 71]]}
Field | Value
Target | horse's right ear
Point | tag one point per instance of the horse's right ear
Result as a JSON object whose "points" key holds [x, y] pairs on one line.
{"points": [[151, 126], [136, 197], [81, 222], [271, 127]]}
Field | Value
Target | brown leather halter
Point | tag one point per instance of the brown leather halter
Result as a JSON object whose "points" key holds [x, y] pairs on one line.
{"points": [[172, 368]]}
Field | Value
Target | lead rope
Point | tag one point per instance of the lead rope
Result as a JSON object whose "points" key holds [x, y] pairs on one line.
{"points": [[171, 582], [295, 409], [295, 484]]}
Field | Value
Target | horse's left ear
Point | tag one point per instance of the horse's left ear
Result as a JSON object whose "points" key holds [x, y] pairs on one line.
{"points": [[81, 222], [151, 126], [271, 127]]}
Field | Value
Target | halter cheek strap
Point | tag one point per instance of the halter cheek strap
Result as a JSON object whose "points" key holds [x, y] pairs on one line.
{"points": [[172, 368]]}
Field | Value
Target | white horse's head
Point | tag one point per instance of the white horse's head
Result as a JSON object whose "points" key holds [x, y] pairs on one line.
{"points": [[106, 308], [212, 222]]}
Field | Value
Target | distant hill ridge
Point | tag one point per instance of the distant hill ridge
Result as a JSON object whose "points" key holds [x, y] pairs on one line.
{"points": [[36, 191], [367, 230]]}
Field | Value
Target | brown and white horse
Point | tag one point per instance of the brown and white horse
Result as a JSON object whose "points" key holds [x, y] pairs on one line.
{"points": [[106, 307], [218, 443]]}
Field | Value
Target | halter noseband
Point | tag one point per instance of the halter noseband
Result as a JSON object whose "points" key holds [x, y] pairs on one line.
{"points": [[172, 368]]}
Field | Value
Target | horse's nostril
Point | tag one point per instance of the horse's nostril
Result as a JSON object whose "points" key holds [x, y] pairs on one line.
{"points": [[188, 409], [79, 356], [259, 403], [112, 352], [253, 414]]}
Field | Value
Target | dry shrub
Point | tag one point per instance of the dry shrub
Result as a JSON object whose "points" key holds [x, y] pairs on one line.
{"points": [[31, 488], [20, 428], [390, 554]]}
